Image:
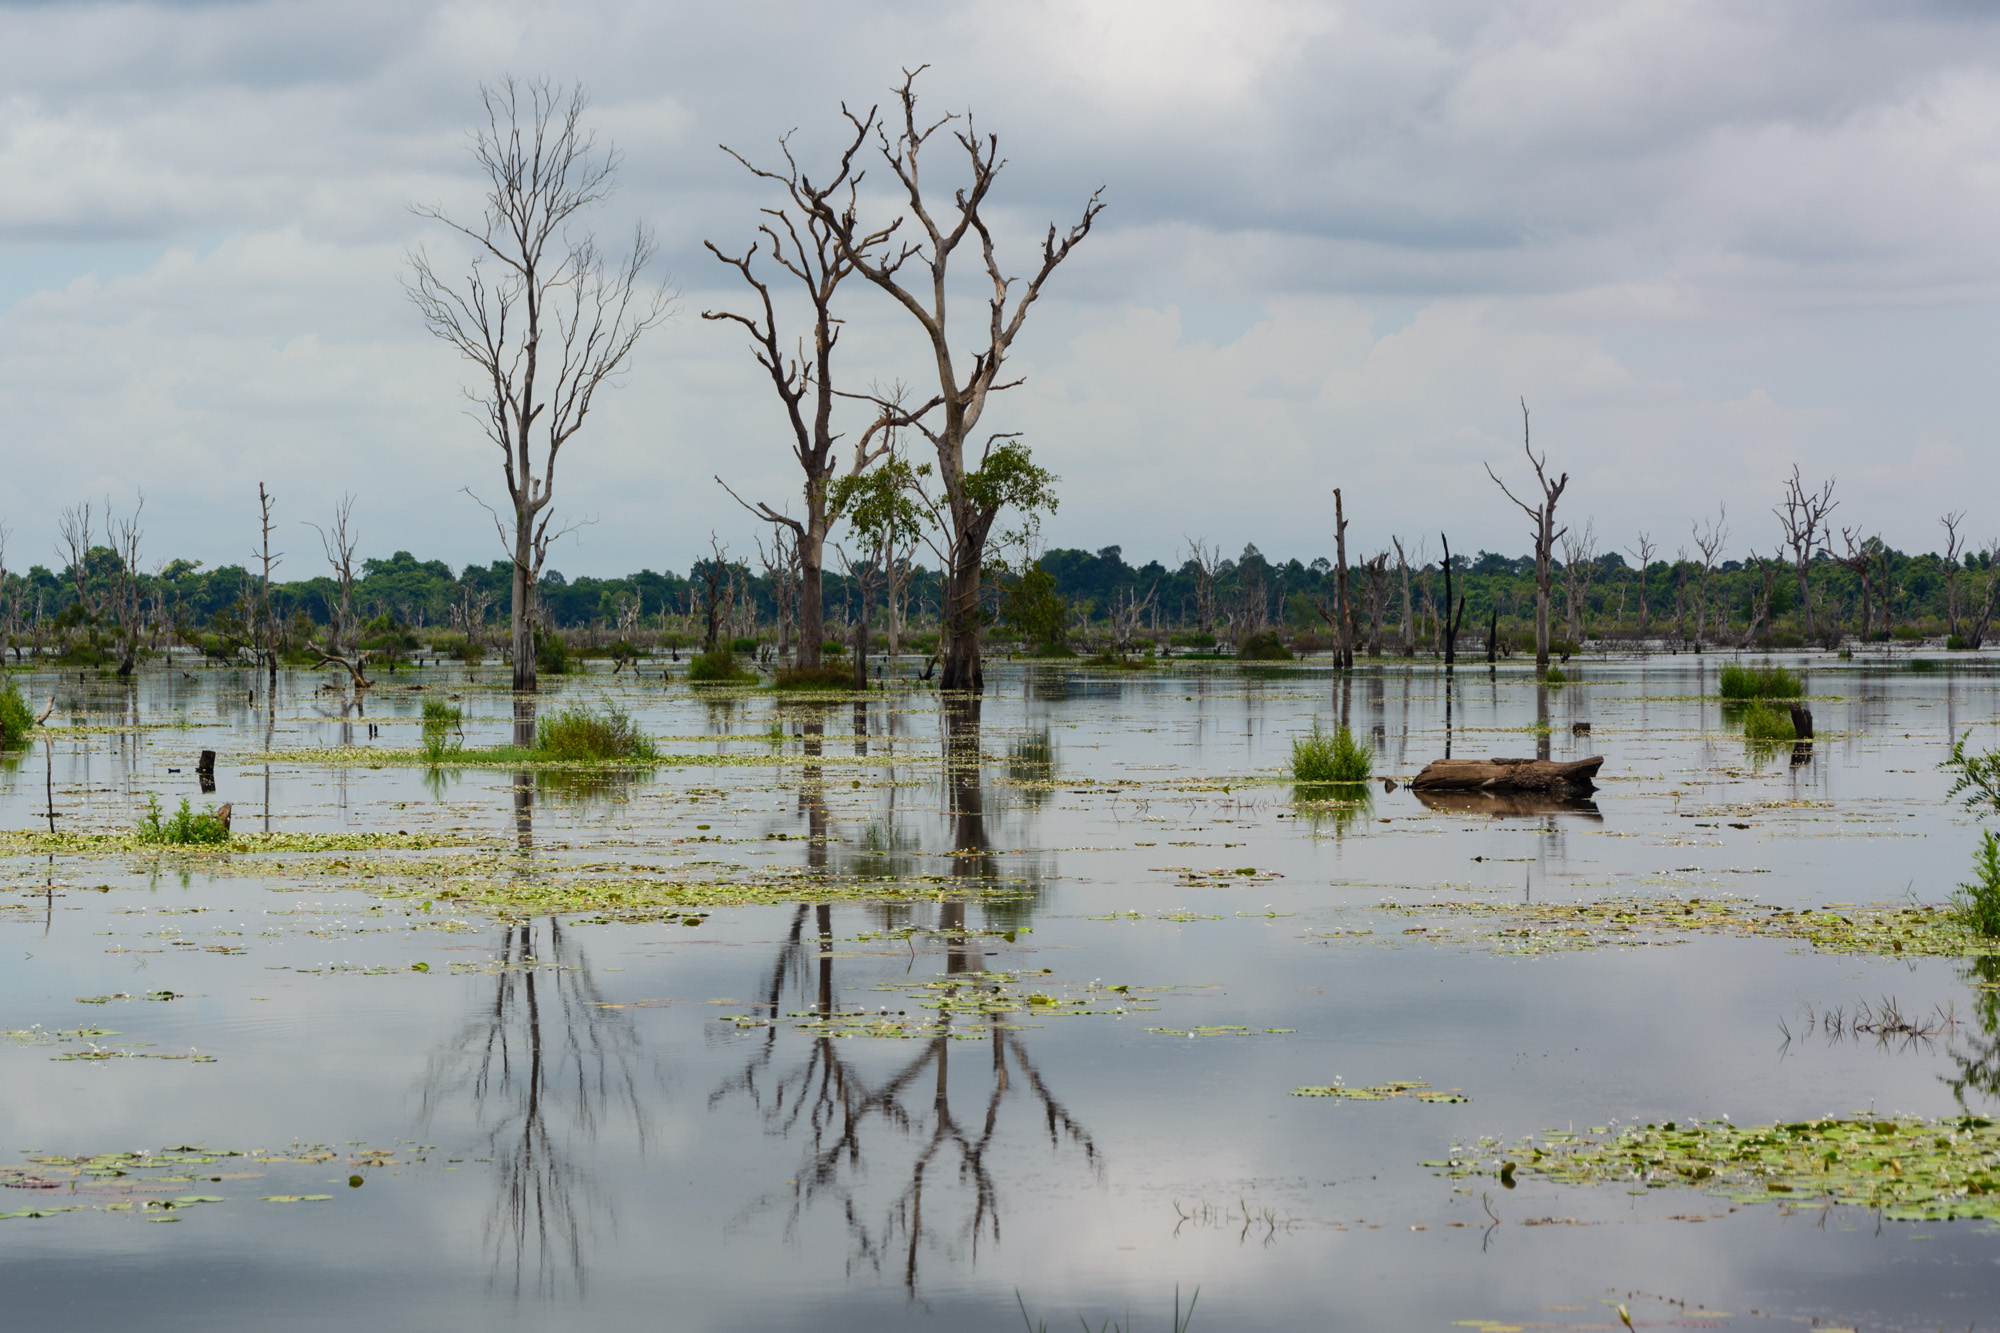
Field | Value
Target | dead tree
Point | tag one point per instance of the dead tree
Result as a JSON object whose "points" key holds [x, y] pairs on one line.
{"points": [[1982, 624], [1860, 561], [1343, 643], [1545, 533], [552, 322], [712, 574], [1760, 611], [266, 627], [803, 244], [118, 596], [1579, 569], [339, 542], [1409, 605], [1377, 569], [1206, 560], [781, 566], [1452, 619], [1954, 546], [1803, 516], [1710, 536], [1644, 554], [949, 418]]}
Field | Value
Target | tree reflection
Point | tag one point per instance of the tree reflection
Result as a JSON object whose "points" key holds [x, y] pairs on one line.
{"points": [[1978, 1056], [543, 1067], [942, 1192]]}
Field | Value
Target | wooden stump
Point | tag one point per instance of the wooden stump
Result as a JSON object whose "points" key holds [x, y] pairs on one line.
{"points": [[1525, 775]]}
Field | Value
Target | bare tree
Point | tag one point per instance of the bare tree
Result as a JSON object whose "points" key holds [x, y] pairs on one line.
{"points": [[1710, 536], [1206, 560], [1644, 553], [1803, 516], [1977, 630], [949, 419], [1338, 618], [265, 627], [339, 541], [1377, 568], [1579, 569], [1545, 533], [1860, 561], [550, 323], [804, 247], [1409, 605], [1954, 546], [711, 577]]}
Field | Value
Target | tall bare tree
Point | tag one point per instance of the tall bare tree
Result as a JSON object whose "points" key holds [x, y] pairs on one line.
{"points": [[1954, 546], [949, 418], [802, 243], [1644, 553], [1206, 559], [1545, 532], [545, 317], [1710, 536], [339, 541], [1409, 605], [1579, 569], [1803, 516], [1860, 561]]}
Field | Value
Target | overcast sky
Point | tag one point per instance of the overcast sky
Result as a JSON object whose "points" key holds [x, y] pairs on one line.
{"points": [[1704, 241]]}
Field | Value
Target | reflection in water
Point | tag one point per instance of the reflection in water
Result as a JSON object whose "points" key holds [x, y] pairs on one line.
{"points": [[1978, 1056], [545, 1067], [1332, 807], [908, 1161], [524, 783], [1507, 803]]}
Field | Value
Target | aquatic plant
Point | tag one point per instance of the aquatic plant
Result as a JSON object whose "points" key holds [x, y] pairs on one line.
{"points": [[814, 678], [1556, 676], [1767, 681], [186, 828], [1264, 647], [716, 668], [16, 719], [1182, 1321], [1763, 722], [1978, 902], [1978, 781], [1330, 759], [582, 735], [442, 735]]}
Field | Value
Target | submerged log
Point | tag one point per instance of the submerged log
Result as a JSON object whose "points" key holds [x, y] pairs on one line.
{"points": [[1536, 775]]}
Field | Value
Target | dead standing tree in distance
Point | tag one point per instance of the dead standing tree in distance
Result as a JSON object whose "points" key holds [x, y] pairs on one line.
{"points": [[1579, 568], [1644, 553], [1337, 616], [1954, 545], [949, 419], [1709, 538], [807, 251], [1803, 516], [1545, 531], [1452, 619], [339, 540], [1206, 560], [267, 620], [552, 320], [1409, 604]]}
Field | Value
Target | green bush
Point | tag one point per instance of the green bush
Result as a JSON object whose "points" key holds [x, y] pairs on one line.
{"points": [[716, 668], [1192, 640], [1906, 633], [1978, 903], [16, 718], [184, 829], [742, 645], [1759, 682], [551, 654], [1556, 676], [1053, 650], [815, 678], [1264, 647], [1955, 642], [441, 730], [833, 648], [1766, 722], [1328, 759], [579, 734]]}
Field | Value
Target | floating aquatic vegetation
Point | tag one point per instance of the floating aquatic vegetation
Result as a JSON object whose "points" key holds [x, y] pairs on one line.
{"points": [[925, 1009], [1381, 1092], [1908, 1168], [154, 1186]]}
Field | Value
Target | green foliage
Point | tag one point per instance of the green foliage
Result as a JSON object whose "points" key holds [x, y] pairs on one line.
{"points": [[1008, 478], [16, 718], [716, 668], [1192, 640], [833, 648], [186, 828], [881, 504], [814, 678], [551, 653], [1053, 650], [1556, 676], [1759, 682], [1978, 902], [1955, 642], [1922, 665], [1328, 759], [583, 735], [1264, 647], [1765, 722], [442, 735], [743, 646], [1033, 610], [1978, 782]]}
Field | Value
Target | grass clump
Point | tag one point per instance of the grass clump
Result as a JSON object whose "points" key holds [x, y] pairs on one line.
{"points": [[186, 828], [1978, 903], [1768, 681], [1264, 647], [1323, 759], [716, 668], [1556, 676], [814, 678], [583, 735], [16, 719], [1764, 722], [443, 732]]}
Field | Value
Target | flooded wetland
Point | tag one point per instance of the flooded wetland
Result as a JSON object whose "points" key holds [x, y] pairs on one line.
{"points": [[900, 1012]]}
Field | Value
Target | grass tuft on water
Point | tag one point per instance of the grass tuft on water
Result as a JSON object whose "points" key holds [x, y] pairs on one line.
{"points": [[442, 734], [1767, 681], [582, 735], [186, 828], [1763, 722], [717, 668], [1328, 759]]}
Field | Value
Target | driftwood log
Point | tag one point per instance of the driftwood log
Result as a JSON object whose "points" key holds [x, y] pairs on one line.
{"points": [[1526, 775]]}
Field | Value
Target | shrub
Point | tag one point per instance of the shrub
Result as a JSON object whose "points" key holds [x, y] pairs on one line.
{"points": [[1192, 640], [716, 668], [580, 734], [1759, 682], [1053, 650], [185, 828], [742, 645], [1321, 758], [1765, 722], [1978, 903], [441, 730], [1264, 647], [833, 648], [815, 678], [1556, 676], [551, 654], [16, 719], [1955, 643]]}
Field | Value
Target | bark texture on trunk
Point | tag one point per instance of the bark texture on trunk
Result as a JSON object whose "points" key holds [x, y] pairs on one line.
{"points": [[1532, 775]]}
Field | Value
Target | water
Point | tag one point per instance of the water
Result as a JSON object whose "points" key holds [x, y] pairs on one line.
{"points": [[588, 1122]]}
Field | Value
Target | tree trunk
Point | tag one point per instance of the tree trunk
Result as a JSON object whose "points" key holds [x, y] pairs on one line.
{"points": [[861, 638], [962, 670], [523, 624], [812, 603]]}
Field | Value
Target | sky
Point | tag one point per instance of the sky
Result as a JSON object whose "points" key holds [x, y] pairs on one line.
{"points": [[1342, 243]]}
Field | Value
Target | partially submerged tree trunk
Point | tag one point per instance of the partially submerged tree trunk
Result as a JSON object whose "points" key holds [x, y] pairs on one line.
{"points": [[1545, 534], [1526, 775]]}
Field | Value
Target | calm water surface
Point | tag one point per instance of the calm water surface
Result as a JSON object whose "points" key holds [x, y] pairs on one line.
{"points": [[761, 1117]]}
